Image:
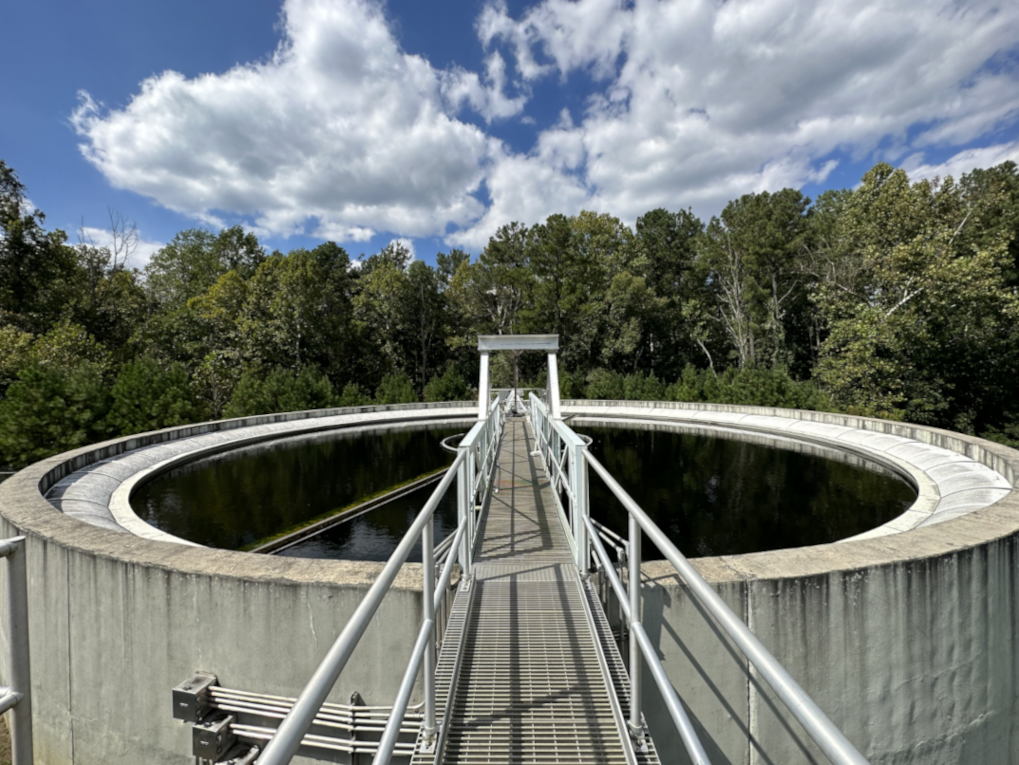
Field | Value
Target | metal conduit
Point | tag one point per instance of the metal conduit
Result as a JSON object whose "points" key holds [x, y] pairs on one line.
{"points": [[821, 729]]}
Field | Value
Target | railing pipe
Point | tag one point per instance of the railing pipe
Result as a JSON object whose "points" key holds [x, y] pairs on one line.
{"points": [[20, 694], [8, 699], [428, 603], [447, 569], [633, 584], [833, 742], [465, 515], [392, 731], [284, 744], [675, 706], [610, 574]]}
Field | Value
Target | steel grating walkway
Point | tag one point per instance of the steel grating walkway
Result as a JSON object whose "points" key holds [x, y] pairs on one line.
{"points": [[528, 656]]}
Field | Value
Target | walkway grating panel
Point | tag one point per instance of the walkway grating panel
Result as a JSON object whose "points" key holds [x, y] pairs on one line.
{"points": [[531, 688]]}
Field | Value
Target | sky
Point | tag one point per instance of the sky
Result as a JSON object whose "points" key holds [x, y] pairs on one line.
{"points": [[362, 121]]}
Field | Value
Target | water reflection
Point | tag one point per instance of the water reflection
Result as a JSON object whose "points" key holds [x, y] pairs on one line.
{"points": [[719, 496], [375, 535], [239, 497], [711, 495]]}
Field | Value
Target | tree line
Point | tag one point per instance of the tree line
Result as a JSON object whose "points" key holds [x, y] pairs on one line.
{"points": [[895, 299]]}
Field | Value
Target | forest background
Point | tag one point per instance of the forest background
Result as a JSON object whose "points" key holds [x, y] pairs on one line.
{"points": [[894, 299]]}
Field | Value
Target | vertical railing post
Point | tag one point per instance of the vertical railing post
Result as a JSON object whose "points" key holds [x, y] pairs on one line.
{"points": [[633, 560], [464, 515], [19, 656], [428, 594], [581, 507]]}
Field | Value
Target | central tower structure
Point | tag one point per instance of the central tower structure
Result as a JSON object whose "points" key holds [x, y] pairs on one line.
{"points": [[547, 343]]}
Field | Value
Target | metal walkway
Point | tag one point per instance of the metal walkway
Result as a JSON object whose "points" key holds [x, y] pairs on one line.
{"points": [[539, 677]]}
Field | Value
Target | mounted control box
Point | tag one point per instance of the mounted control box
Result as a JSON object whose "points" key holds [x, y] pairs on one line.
{"points": [[191, 698], [211, 738]]}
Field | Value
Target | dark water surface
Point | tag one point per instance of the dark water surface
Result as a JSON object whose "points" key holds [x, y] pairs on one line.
{"points": [[712, 496], [234, 499], [718, 496], [376, 534]]}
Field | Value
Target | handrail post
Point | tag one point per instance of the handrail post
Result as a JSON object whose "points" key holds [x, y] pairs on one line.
{"points": [[19, 657], [428, 595], [581, 506], [633, 560], [465, 516]]}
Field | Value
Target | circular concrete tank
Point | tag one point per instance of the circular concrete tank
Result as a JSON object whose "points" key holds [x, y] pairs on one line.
{"points": [[906, 636]]}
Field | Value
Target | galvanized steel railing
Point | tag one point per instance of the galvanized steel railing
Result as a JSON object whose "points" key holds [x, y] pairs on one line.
{"points": [[566, 459], [17, 697], [475, 461]]}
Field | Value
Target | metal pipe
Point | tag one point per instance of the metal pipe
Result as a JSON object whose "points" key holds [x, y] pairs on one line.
{"points": [[833, 742], [484, 389], [428, 603], [633, 584], [20, 655], [8, 699], [553, 386], [603, 528], [672, 702], [610, 574], [447, 569], [282, 747], [392, 731]]}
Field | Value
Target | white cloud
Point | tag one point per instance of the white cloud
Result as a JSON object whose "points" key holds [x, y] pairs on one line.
{"points": [[702, 101], [142, 250], [961, 163], [459, 86], [343, 135], [339, 127]]}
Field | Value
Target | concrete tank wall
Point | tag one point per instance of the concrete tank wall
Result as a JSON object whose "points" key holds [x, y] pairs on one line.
{"points": [[909, 642], [117, 620]]}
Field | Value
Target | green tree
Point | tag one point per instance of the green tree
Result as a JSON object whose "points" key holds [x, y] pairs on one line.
{"points": [[36, 266], [396, 389], [929, 331], [667, 243], [148, 396], [750, 258], [449, 387], [15, 354], [192, 262], [281, 390], [500, 282], [353, 395], [50, 410]]}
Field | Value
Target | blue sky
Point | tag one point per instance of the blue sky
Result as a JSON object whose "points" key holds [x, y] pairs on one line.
{"points": [[363, 121]]}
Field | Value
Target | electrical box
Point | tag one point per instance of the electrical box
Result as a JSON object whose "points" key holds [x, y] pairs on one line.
{"points": [[191, 698]]}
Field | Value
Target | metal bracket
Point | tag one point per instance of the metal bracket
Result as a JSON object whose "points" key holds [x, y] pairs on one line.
{"points": [[639, 736], [212, 738], [191, 698], [431, 738]]}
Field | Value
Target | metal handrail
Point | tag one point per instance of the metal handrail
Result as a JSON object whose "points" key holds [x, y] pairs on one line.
{"points": [[17, 698], [821, 729], [551, 435], [474, 452]]}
